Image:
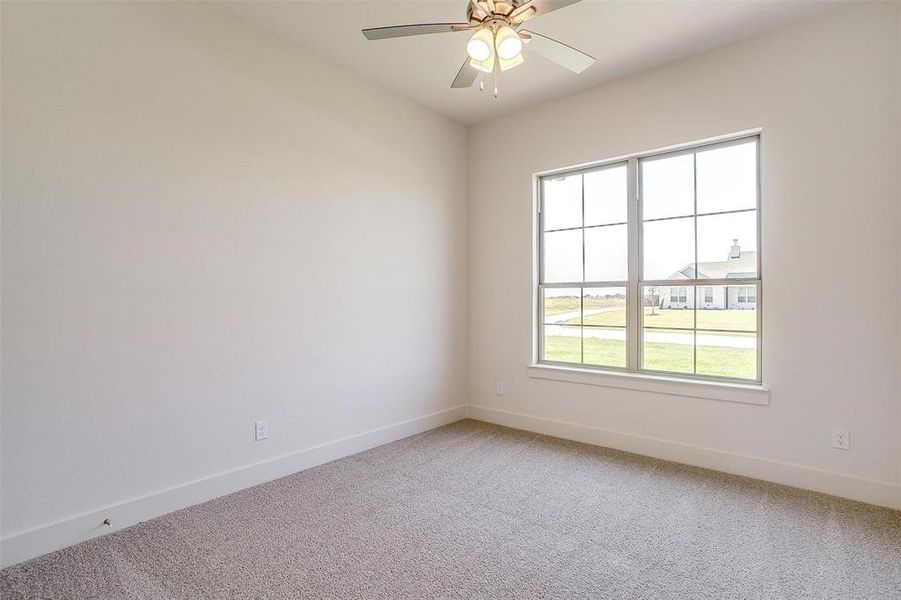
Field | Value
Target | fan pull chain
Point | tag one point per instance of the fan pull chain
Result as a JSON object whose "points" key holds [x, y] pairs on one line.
{"points": [[481, 83], [495, 81]]}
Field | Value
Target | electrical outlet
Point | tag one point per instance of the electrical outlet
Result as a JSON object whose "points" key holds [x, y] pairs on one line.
{"points": [[499, 388], [841, 439], [261, 430]]}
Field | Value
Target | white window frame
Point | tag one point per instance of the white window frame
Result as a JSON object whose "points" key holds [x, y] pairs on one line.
{"points": [[634, 312]]}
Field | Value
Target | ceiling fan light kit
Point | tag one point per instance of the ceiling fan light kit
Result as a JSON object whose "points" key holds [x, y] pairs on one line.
{"points": [[498, 41]]}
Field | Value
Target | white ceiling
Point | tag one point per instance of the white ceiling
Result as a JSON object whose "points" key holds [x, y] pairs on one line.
{"points": [[625, 37]]}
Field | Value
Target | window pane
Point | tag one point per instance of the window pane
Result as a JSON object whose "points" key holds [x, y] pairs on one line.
{"points": [[668, 307], [669, 249], [604, 346], [727, 178], [605, 306], [668, 350], [726, 312], [743, 297], [668, 187], [604, 337], [563, 344], [562, 202], [563, 256], [727, 245], [727, 355], [606, 254], [605, 196], [562, 306]]}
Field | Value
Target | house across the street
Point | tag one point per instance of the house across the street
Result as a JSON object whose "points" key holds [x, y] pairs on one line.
{"points": [[738, 265]]}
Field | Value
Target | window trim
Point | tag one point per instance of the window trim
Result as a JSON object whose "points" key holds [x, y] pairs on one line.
{"points": [[634, 312], [745, 393]]}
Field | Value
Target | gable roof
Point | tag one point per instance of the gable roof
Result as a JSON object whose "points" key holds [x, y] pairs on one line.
{"points": [[734, 268]]}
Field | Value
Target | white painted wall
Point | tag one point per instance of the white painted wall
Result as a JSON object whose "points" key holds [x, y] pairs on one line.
{"points": [[898, 175], [203, 226], [825, 91]]}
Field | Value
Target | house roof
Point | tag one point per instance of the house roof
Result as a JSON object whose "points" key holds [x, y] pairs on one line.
{"points": [[734, 268]]}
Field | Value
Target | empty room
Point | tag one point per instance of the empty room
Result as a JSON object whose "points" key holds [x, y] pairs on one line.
{"points": [[450, 299]]}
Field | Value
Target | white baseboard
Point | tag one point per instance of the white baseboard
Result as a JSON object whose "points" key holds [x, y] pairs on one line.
{"points": [[881, 493], [34, 542], [24, 545]]}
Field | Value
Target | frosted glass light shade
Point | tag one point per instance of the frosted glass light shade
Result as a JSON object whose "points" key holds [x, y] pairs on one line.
{"points": [[508, 43], [481, 45], [485, 66], [513, 62]]}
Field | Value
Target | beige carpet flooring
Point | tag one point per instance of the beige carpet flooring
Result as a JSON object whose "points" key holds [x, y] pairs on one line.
{"points": [[472, 510]]}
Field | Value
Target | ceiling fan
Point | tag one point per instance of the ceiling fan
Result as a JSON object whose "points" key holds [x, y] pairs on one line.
{"points": [[498, 38]]}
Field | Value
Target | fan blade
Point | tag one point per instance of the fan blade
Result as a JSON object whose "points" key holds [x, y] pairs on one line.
{"points": [[396, 31], [466, 76], [536, 8], [558, 52], [478, 11]]}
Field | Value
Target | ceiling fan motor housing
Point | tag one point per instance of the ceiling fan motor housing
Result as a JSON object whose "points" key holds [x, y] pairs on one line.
{"points": [[484, 16]]}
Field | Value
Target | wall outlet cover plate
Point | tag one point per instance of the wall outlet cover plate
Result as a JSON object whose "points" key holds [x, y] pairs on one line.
{"points": [[841, 439]]}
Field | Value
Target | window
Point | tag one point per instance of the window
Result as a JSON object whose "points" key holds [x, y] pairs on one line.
{"points": [[747, 294], [678, 295], [667, 283]]}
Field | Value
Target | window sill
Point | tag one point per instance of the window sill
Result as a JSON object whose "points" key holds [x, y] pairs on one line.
{"points": [[671, 386]]}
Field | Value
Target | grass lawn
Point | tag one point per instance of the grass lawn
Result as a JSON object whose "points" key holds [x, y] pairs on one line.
{"points": [[673, 358], [740, 320], [555, 306], [610, 353]]}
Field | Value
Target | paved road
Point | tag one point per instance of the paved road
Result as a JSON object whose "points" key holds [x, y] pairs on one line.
{"points": [[662, 337]]}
